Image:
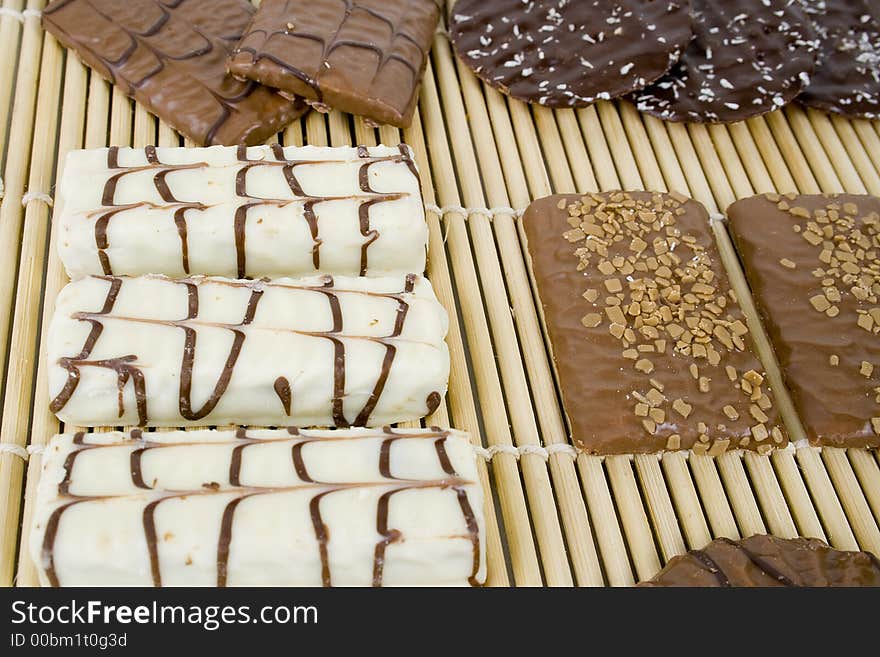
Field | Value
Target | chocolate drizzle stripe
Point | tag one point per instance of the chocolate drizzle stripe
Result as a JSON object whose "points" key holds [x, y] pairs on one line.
{"points": [[149, 521]]}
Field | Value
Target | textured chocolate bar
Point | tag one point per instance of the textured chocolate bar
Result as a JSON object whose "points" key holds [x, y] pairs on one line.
{"points": [[365, 57], [769, 561], [651, 349], [812, 264], [170, 56]]}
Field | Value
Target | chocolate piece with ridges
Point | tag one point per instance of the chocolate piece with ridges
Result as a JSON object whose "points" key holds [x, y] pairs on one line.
{"points": [[170, 56], [847, 77], [365, 57], [747, 58], [256, 507], [650, 347], [769, 561], [823, 314], [569, 53]]}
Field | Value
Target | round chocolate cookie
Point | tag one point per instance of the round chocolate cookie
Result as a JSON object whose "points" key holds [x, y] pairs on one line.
{"points": [[748, 57], [569, 53], [847, 77]]}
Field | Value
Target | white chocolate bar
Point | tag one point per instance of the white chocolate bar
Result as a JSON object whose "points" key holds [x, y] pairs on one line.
{"points": [[357, 507], [243, 213], [318, 351]]}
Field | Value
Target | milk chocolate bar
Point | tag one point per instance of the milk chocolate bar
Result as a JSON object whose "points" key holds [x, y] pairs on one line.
{"points": [[171, 58], [242, 212], [319, 351], [811, 261], [769, 561], [289, 507], [649, 344], [366, 58]]}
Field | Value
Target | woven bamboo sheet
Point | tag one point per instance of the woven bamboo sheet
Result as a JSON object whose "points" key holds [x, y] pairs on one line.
{"points": [[556, 517]]}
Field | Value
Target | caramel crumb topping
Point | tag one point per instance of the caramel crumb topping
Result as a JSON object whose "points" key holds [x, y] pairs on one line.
{"points": [[661, 297]]}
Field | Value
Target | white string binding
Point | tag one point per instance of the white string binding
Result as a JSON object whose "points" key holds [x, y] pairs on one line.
{"points": [[488, 453], [21, 452], [12, 448], [486, 212], [717, 217], [20, 16], [36, 196], [2, 189]]}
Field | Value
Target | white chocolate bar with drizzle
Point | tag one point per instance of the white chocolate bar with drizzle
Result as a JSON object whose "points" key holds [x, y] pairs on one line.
{"points": [[286, 507], [317, 351], [241, 212]]}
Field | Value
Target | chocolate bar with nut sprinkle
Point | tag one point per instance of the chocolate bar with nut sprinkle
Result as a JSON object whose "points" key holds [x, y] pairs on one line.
{"points": [[650, 346]]}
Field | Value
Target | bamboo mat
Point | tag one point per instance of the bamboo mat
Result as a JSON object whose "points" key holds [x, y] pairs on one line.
{"points": [[556, 517]]}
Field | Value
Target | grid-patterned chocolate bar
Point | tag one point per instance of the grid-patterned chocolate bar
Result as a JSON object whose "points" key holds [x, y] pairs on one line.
{"points": [[170, 55], [365, 57]]}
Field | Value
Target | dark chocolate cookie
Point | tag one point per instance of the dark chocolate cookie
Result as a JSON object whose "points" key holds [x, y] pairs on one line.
{"points": [[747, 58], [569, 53], [847, 77]]}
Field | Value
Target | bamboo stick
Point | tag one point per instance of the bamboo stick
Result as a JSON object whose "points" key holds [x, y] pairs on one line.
{"points": [[659, 505], [602, 508], [594, 138], [613, 548], [858, 154], [632, 515], [848, 490], [15, 171], [687, 503], [868, 473], [870, 140], [44, 423], [460, 396], [494, 165], [535, 472], [835, 153], [719, 156], [512, 500], [785, 144], [11, 220], [10, 30]]}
